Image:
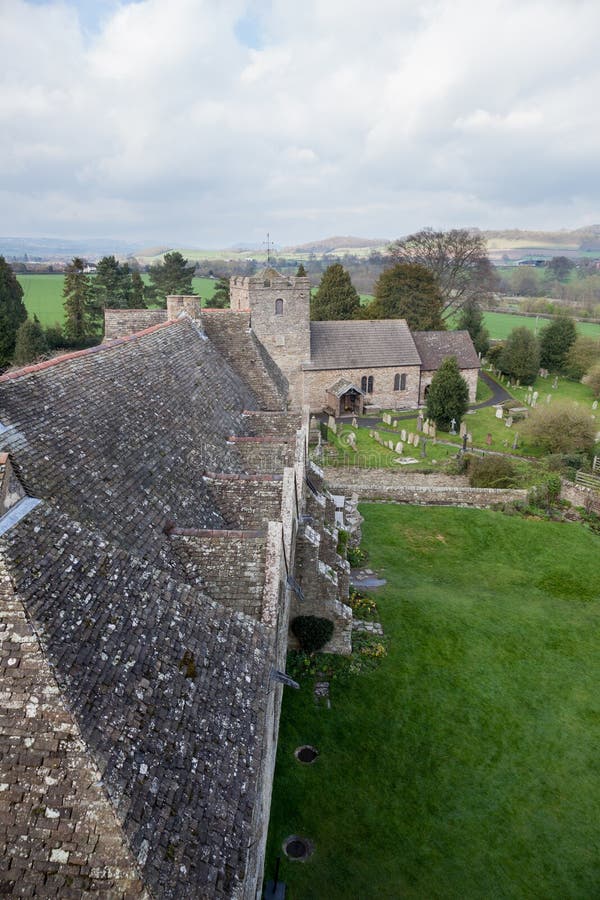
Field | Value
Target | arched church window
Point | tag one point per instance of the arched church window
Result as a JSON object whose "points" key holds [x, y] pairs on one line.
{"points": [[370, 384], [279, 307], [363, 384], [403, 382], [396, 382]]}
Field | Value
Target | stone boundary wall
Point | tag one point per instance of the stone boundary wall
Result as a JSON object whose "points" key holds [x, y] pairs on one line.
{"points": [[580, 496], [380, 484]]}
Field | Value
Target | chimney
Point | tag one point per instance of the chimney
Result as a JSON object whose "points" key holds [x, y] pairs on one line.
{"points": [[183, 303]]}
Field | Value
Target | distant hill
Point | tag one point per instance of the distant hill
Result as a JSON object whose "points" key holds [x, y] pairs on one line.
{"points": [[337, 244], [63, 249]]}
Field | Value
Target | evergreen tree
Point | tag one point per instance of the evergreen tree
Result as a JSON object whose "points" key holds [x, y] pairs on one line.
{"points": [[448, 395], [520, 357], [31, 342], [556, 339], [408, 291], [336, 296], [471, 319], [112, 283], [81, 311], [173, 276], [12, 311], [301, 273], [137, 298], [221, 297]]}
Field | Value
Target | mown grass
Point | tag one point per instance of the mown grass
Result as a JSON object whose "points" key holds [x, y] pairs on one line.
{"points": [[500, 325], [466, 765], [43, 295]]}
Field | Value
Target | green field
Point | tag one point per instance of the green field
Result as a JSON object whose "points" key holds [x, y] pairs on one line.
{"points": [[466, 764], [500, 325], [43, 295]]}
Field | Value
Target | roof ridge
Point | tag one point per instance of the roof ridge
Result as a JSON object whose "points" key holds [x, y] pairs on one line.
{"points": [[88, 351]]}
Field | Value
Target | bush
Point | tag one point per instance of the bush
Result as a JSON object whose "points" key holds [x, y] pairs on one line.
{"points": [[565, 462], [492, 472], [356, 557], [545, 494], [561, 428], [312, 632]]}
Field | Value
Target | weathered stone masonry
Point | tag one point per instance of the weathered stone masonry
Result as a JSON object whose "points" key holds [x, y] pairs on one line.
{"points": [[158, 575]]}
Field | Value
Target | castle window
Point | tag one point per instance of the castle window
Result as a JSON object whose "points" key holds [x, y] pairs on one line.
{"points": [[279, 307], [399, 382]]}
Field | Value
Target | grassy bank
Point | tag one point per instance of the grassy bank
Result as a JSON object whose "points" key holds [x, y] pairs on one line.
{"points": [[465, 766]]}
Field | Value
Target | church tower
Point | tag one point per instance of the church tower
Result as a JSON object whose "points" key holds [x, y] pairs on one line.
{"points": [[280, 318]]}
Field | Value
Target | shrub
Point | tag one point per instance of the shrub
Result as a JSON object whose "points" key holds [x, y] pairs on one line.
{"points": [[492, 472], [356, 557], [312, 632], [561, 428], [545, 494]]}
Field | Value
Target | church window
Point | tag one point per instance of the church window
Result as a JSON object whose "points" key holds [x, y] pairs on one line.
{"points": [[400, 382], [279, 307], [363, 384], [370, 384]]}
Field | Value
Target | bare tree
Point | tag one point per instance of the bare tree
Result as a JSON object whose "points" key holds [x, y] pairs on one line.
{"points": [[458, 258]]}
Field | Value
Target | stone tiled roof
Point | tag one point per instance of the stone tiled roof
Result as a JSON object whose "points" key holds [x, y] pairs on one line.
{"points": [[162, 693], [119, 438], [169, 689], [60, 835], [361, 344], [435, 346], [342, 386]]}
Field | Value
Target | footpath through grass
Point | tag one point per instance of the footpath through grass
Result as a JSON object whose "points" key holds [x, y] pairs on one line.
{"points": [[466, 765]]}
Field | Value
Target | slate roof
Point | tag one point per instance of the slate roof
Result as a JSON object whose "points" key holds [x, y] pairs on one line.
{"points": [[168, 689], [342, 386], [435, 346], [146, 698], [361, 344]]}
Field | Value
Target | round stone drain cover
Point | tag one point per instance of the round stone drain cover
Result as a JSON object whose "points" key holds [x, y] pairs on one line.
{"points": [[306, 754], [296, 847]]}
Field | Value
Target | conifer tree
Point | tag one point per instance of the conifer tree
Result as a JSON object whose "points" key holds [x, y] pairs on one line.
{"points": [[12, 311], [112, 283], [556, 339], [471, 319], [173, 276], [448, 395], [301, 273], [81, 312], [336, 296], [221, 297], [30, 343], [520, 357], [137, 299], [408, 291]]}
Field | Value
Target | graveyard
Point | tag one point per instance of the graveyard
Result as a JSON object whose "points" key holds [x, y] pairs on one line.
{"points": [[464, 765]]}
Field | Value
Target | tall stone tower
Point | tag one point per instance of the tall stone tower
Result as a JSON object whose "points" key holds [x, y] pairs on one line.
{"points": [[280, 318]]}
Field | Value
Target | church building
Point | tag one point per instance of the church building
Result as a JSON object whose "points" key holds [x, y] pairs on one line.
{"points": [[345, 366]]}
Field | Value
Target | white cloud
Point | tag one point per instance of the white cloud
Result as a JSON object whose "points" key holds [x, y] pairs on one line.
{"points": [[351, 117]]}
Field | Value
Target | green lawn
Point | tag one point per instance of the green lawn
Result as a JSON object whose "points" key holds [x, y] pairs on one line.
{"points": [[500, 325], [466, 765], [43, 295]]}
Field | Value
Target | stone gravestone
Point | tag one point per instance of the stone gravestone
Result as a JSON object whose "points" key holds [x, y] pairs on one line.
{"points": [[352, 440], [424, 448], [433, 431], [509, 422], [464, 440], [463, 429], [395, 423], [555, 383], [403, 434], [419, 423], [416, 440], [426, 426], [453, 426], [354, 422], [515, 440], [331, 424], [469, 439], [488, 439], [535, 395], [410, 438], [595, 404], [499, 412], [548, 398], [399, 447]]}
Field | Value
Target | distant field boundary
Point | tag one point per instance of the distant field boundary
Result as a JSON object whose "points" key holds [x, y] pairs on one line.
{"points": [[545, 315]]}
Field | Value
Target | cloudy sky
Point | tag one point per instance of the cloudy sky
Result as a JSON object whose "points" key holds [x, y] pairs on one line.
{"points": [[207, 122]]}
